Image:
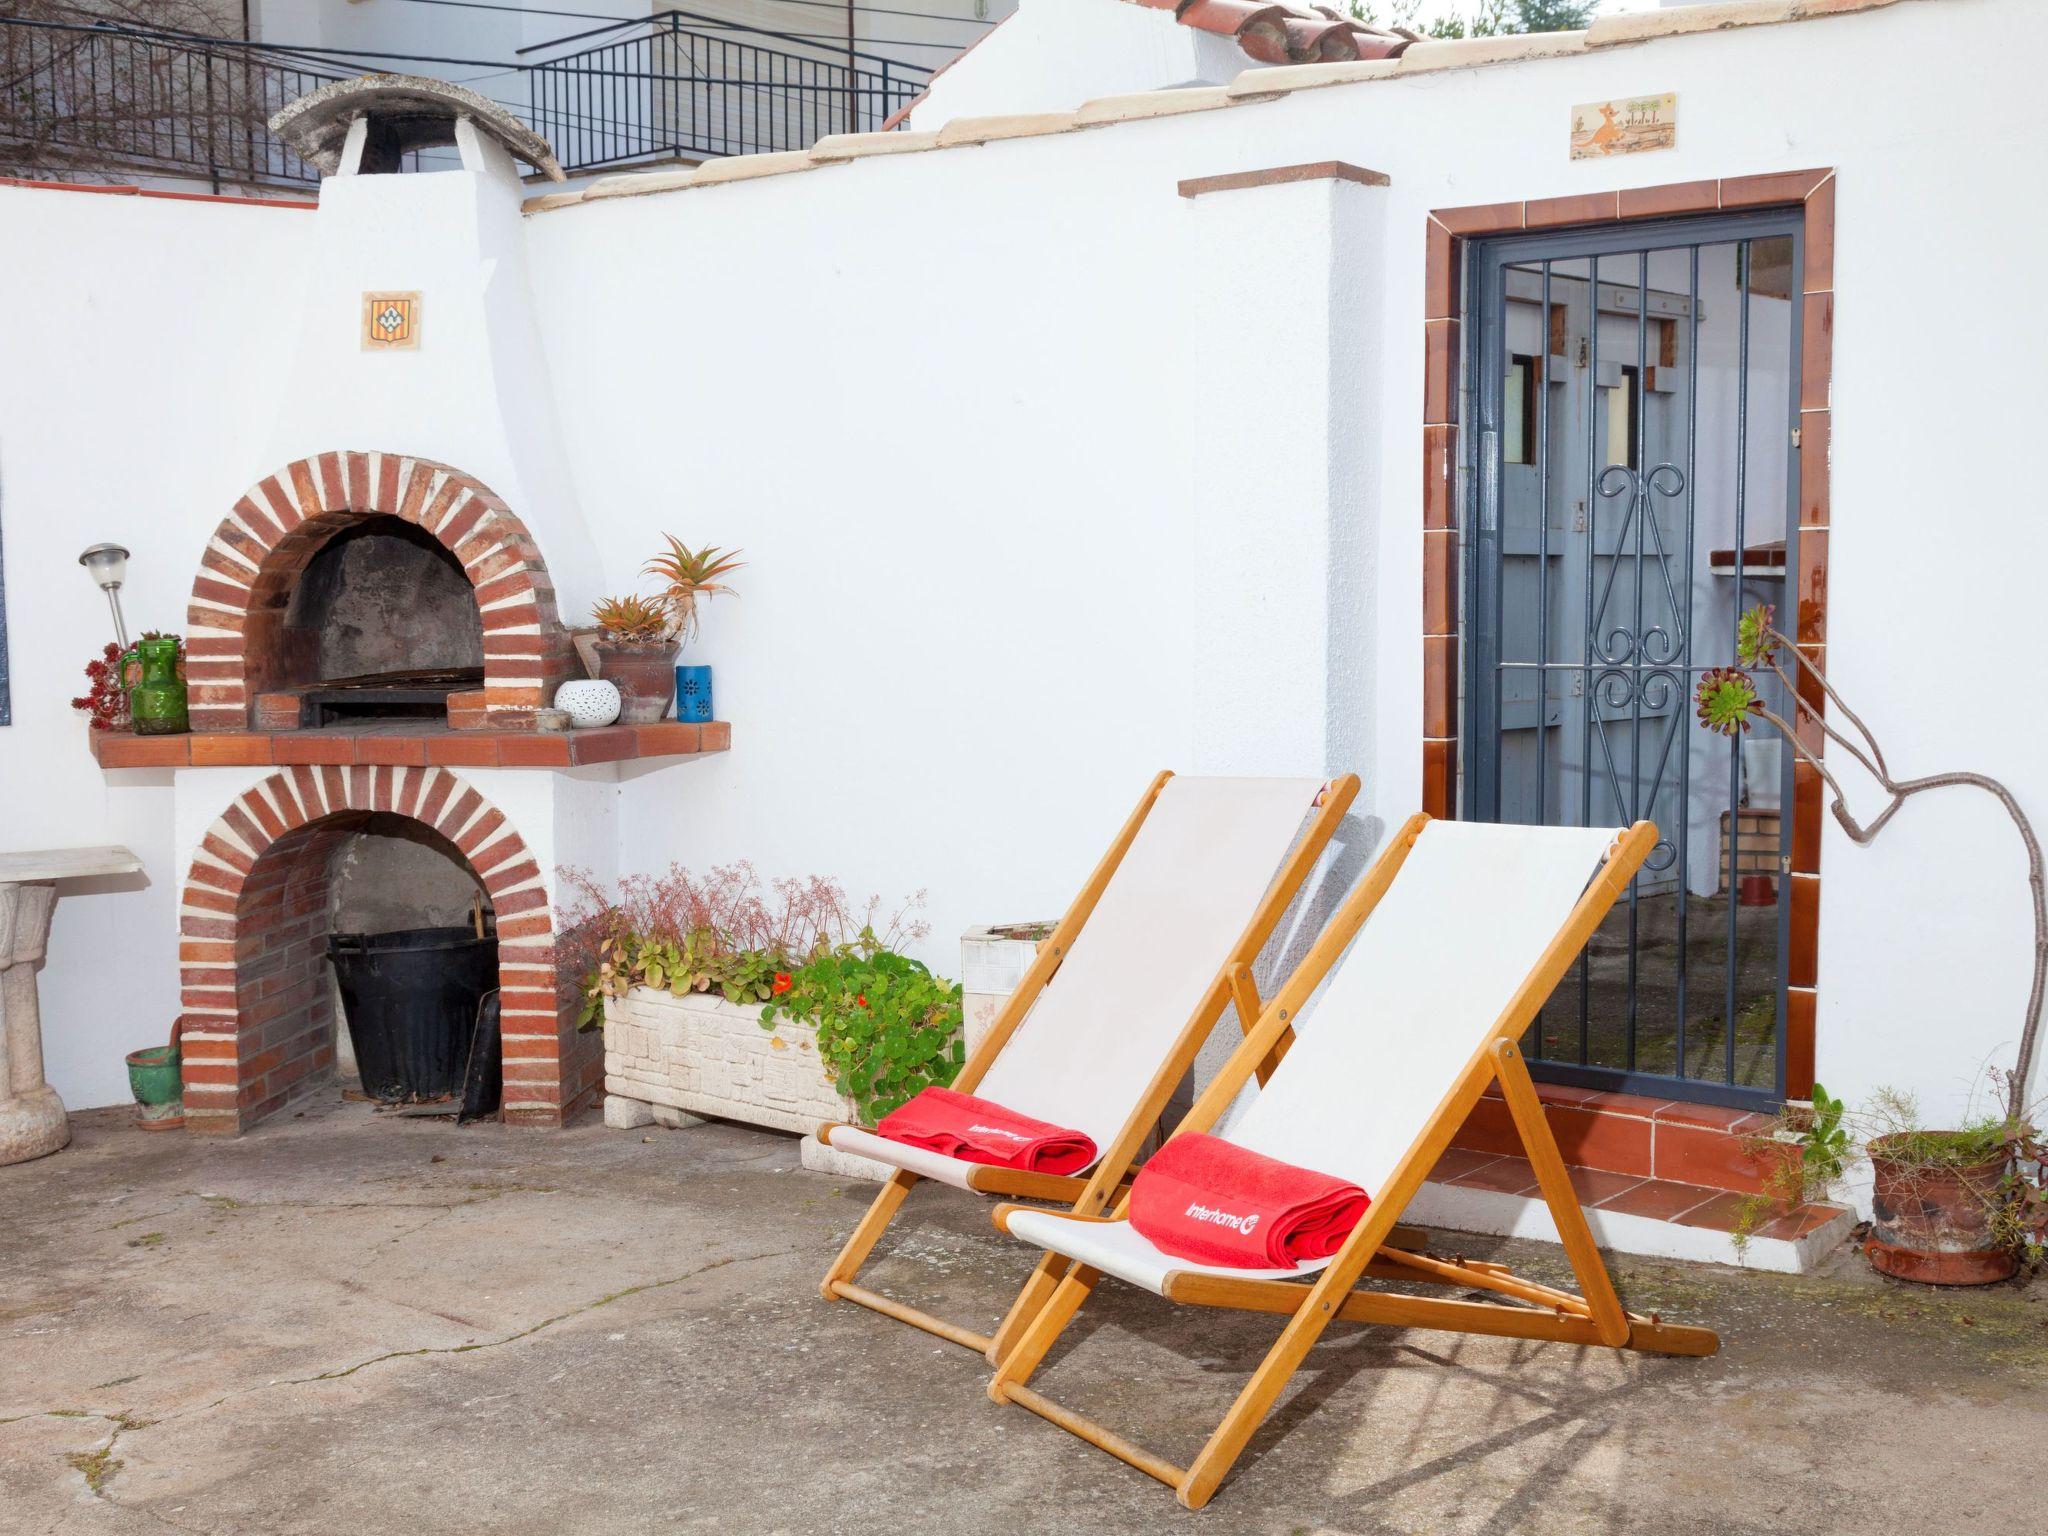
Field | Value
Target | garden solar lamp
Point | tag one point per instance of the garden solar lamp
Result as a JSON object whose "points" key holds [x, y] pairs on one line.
{"points": [[107, 564]]}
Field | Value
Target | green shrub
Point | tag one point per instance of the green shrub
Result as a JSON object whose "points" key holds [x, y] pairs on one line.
{"points": [[887, 1028]]}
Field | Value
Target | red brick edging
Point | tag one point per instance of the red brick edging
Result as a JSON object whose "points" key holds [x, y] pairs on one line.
{"points": [[254, 559], [258, 1021]]}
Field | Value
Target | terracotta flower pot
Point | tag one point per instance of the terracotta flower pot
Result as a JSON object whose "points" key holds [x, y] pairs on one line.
{"points": [[644, 674], [1934, 1224]]}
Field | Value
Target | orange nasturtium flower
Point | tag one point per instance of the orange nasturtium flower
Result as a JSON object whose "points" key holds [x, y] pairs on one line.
{"points": [[781, 984]]}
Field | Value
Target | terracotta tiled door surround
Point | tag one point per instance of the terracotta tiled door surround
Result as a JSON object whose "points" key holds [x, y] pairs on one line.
{"points": [[258, 1016], [1448, 229]]}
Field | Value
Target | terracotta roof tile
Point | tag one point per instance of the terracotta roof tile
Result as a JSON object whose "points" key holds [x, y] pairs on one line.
{"points": [[1287, 34]]}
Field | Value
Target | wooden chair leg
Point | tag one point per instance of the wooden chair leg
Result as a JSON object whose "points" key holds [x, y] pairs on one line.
{"points": [[1017, 1366], [864, 1237], [1045, 1279], [1595, 1284], [1216, 1458]]}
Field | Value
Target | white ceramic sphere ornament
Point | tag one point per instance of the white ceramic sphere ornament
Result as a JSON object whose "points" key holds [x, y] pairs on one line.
{"points": [[589, 701]]}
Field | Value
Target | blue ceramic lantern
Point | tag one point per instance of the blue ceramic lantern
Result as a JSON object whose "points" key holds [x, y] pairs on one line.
{"points": [[693, 693]]}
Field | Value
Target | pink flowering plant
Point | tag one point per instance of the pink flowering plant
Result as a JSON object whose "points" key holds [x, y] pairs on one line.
{"points": [[887, 1027]]}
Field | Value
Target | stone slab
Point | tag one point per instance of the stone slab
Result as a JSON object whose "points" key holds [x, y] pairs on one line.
{"points": [[67, 864]]}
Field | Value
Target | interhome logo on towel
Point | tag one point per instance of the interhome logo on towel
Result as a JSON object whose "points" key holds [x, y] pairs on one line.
{"points": [[1206, 1213], [997, 1130]]}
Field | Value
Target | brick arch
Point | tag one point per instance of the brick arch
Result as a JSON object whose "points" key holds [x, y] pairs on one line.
{"points": [[252, 926], [256, 555]]}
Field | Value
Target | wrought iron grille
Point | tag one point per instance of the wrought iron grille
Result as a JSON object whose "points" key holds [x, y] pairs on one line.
{"points": [[1632, 487], [103, 98], [84, 96], [678, 88]]}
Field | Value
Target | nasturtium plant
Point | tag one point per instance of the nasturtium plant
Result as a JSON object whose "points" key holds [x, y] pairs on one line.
{"points": [[887, 1027]]}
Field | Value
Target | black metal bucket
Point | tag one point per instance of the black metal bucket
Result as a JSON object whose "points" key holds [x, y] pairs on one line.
{"points": [[411, 1001]]}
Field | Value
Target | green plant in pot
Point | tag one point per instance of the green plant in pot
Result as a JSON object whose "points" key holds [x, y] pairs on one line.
{"points": [[1955, 1206], [636, 651], [1803, 1153]]}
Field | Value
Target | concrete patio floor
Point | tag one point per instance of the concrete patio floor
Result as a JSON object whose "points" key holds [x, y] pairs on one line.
{"points": [[351, 1323]]}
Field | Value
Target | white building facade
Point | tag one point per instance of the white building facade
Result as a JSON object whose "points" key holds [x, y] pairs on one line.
{"points": [[1142, 432]]}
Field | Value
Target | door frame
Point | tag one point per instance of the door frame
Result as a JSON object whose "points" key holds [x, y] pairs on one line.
{"points": [[1448, 468]]}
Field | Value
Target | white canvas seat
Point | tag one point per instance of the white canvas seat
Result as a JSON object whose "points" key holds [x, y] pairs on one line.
{"points": [[1122, 997], [1421, 986], [1413, 997], [1092, 1042]]}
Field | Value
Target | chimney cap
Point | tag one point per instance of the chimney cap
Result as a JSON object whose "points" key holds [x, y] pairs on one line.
{"points": [[416, 112]]}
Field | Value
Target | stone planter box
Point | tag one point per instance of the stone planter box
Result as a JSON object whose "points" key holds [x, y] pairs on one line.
{"points": [[705, 1056], [993, 961]]}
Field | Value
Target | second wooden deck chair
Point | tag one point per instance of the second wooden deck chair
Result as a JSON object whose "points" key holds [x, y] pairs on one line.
{"points": [[1461, 931], [1123, 993]]}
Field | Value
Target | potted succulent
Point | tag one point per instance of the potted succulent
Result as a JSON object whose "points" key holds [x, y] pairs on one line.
{"points": [[636, 653], [1952, 1207], [689, 574]]}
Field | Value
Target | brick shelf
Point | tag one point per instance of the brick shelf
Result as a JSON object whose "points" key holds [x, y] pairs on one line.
{"points": [[414, 744]]}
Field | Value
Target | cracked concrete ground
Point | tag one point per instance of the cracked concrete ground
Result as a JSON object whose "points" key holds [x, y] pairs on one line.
{"points": [[346, 1323]]}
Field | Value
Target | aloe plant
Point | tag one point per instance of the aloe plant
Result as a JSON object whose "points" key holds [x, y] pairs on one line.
{"points": [[1728, 702], [688, 574], [633, 620]]}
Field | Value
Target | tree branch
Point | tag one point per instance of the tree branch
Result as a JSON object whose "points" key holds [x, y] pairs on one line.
{"points": [[1899, 791]]}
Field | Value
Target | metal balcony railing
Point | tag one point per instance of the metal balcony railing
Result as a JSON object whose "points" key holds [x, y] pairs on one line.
{"points": [[689, 86], [101, 97]]}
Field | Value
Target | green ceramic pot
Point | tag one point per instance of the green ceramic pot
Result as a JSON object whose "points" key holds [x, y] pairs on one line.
{"points": [[157, 701], [155, 1076]]}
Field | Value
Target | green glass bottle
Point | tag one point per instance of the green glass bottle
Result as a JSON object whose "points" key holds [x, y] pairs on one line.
{"points": [[157, 701]]}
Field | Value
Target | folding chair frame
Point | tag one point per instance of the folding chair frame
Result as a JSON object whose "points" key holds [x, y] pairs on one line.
{"points": [[1532, 1311], [1089, 1195]]}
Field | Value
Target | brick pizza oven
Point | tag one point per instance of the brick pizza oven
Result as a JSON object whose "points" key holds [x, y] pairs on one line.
{"points": [[349, 569], [374, 623]]}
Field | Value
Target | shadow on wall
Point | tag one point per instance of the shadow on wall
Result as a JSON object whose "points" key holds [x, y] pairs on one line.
{"points": [[1349, 854]]}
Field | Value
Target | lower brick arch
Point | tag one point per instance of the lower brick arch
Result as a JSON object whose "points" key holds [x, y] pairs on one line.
{"points": [[257, 1010]]}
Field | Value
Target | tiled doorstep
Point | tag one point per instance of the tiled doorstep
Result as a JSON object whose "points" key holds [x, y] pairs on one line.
{"points": [[1647, 1217]]}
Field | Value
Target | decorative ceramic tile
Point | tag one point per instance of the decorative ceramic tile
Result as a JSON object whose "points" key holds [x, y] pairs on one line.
{"points": [[391, 322], [1628, 125]]}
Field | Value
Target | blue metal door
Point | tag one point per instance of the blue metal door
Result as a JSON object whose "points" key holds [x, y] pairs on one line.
{"points": [[1631, 486]]}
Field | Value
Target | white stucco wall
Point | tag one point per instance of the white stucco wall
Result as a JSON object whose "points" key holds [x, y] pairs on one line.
{"points": [[1054, 54], [1049, 477], [1051, 410], [168, 318]]}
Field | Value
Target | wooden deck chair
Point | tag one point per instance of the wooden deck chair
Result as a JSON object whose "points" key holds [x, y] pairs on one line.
{"points": [[1123, 993], [1461, 931]]}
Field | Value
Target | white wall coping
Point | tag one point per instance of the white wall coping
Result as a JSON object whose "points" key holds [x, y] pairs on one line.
{"points": [[1253, 85]]}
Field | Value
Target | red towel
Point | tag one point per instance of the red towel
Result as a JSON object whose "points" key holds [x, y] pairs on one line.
{"points": [[976, 1131], [1204, 1199]]}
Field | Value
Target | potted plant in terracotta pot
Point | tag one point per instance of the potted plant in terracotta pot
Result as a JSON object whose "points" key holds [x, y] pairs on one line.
{"points": [[689, 574], [1952, 1206], [1955, 1207], [636, 653]]}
